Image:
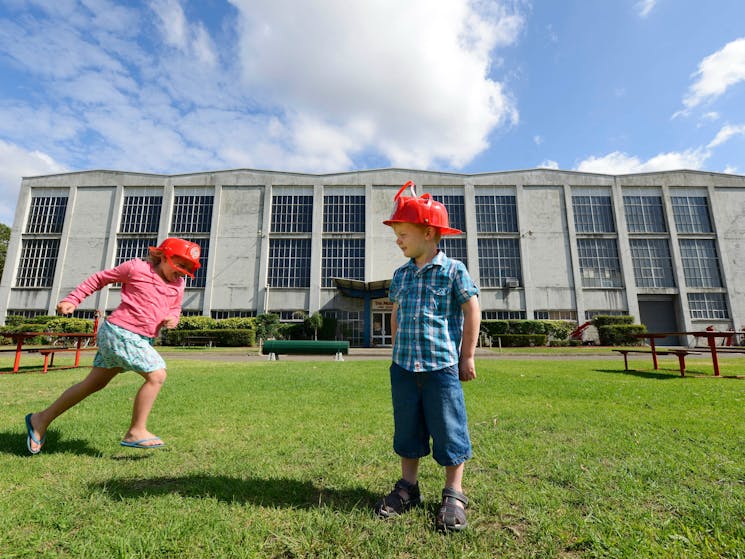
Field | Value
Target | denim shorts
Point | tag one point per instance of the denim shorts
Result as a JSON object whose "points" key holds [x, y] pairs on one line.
{"points": [[119, 348], [430, 404]]}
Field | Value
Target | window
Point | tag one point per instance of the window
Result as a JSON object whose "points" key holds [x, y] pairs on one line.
{"points": [[342, 258], [555, 315], [503, 315], [292, 213], [700, 263], [37, 263], [598, 262], [289, 263], [192, 214], [456, 207], [644, 214], [499, 259], [349, 325], [219, 315], [496, 214], [589, 315], [46, 214], [707, 305], [691, 214], [653, 264], [455, 247], [25, 313], [141, 214], [129, 248], [343, 214], [593, 214]]}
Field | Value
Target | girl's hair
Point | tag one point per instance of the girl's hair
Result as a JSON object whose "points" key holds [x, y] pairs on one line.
{"points": [[155, 257]]}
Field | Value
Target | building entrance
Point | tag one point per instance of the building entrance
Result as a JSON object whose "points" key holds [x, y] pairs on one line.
{"points": [[381, 329], [658, 315]]}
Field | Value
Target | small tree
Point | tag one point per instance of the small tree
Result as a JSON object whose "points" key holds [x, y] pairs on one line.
{"points": [[314, 322], [267, 326]]}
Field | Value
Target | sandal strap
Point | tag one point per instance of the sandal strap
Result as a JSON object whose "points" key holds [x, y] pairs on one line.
{"points": [[411, 488], [450, 493]]}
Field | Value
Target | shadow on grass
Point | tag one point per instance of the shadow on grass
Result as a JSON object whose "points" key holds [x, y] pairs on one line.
{"points": [[281, 492], [14, 442], [642, 374]]}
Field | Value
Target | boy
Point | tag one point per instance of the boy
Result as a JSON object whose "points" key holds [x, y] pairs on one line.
{"points": [[434, 324]]}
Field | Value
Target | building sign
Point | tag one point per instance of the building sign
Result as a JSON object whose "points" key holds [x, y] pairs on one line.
{"points": [[382, 305]]}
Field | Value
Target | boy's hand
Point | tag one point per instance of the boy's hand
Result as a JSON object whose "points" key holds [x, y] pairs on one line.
{"points": [[466, 369], [65, 307], [169, 322]]}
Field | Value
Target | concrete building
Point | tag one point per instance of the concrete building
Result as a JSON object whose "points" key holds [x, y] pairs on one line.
{"points": [[664, 247]]}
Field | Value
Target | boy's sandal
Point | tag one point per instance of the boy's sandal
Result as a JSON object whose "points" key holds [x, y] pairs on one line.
{"points": [[452, 516], [394, 504]]}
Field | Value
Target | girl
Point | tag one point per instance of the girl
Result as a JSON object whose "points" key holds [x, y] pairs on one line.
{"points": [[151, 298]]}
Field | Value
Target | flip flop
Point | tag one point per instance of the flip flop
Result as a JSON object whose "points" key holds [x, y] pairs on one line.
{"points": [[138, 444], [31, 438]]}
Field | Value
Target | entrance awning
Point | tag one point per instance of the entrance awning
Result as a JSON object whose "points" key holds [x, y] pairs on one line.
{"points": [[359, 289]]}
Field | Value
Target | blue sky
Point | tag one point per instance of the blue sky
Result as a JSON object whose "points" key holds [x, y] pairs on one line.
{"points": [[175, 86]]}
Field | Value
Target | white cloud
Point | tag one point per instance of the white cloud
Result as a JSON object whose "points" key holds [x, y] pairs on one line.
{"points": [[644, 7], [548, 164], [618, 163], [716, 73], [420, 80], [727, 132], [15, 163]]}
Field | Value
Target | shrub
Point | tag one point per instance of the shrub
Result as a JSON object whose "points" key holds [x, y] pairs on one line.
{"points": [[223, 337], [237, 323], [607, 320], [520, 340], [620, 334], [196, 323]]}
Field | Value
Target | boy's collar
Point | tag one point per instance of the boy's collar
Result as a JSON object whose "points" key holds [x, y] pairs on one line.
{"points": [[437, 260]]}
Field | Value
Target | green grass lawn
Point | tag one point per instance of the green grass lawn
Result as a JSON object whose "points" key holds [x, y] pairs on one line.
{"points": [[285, 459]]}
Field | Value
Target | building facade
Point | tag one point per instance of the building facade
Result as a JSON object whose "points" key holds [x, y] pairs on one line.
{"points": [[664, 247]]}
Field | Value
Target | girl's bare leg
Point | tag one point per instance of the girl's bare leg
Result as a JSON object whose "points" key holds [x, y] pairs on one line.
{"points": [[144, 401], [95, 381]]}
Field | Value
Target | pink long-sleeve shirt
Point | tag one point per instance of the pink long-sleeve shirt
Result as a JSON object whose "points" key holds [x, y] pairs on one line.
{"points": [[147, 299]]}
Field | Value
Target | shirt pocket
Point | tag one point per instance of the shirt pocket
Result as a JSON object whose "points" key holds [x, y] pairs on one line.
{"points": [[435, 300]]}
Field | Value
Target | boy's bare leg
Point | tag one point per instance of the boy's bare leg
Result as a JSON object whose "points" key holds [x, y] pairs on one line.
{"points": [[144, 401], [454, 478], [95, 381]]}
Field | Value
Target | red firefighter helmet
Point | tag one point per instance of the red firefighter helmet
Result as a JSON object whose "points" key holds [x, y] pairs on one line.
{"points": [[173, 246], [422, 210]]}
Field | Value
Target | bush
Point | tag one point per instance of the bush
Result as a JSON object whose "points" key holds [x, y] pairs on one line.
{"points": [[236, 323], [621, 334], [607, 320], [520, 340], [196, 323], [223, 337], [559, 329]]}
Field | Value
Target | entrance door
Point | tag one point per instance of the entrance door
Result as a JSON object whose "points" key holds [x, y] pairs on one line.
{"points": [[658, 315], [381, 330]]}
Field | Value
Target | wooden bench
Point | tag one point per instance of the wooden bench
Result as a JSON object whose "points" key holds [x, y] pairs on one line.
{"points": [[49, 355], [206, 341], [681, 353], [273, 348]]}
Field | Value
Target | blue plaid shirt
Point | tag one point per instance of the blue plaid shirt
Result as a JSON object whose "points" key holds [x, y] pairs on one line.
{"points": [[429, 315]]}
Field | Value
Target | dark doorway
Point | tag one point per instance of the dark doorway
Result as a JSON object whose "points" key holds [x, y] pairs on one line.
{"points": [[658, 315]]}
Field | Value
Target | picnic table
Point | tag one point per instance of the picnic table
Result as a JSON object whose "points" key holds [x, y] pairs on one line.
{"points": [[710, 335], [20, 338]]}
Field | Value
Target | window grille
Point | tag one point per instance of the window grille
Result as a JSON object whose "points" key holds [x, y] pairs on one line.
{"points": [[192, 214], [499, 259], [349, 325], [141, 214], [343, 214], [599, 263], [708, 305], [593, 214], [342, 258], [555, 315], [220, 314], [46, 214], [644, 214], [496, 214], [292, 214], [129, 248], [700, 263], [289, 263], [653, 264], [455, 247], [37, 263], [691, 214], [503, 315]]}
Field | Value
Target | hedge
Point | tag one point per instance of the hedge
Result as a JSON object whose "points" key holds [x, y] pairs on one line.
{"points": [[621, 334], [223, 337], [519, 340]]}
